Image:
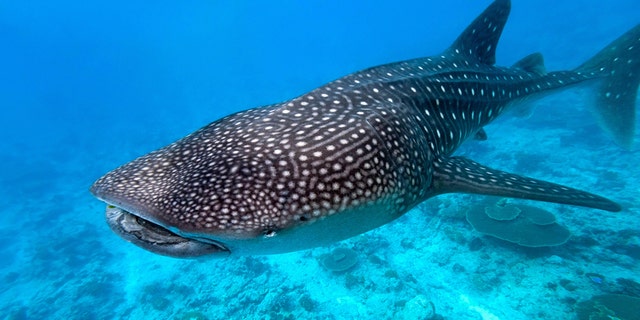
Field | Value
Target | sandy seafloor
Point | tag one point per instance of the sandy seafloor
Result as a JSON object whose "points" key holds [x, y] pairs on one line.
{"points": [[86, 89]]}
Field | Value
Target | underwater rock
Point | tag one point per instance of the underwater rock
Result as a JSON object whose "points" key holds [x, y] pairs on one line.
{"points": [[391, 274], [554, 260], [374, 259], [531, 227], [192, 315], [551, 285], [630, 250], [351, 281], [407, 243], [417, 308], [307, 303], [476, 244], [254, 266], [609, 306], [339, 260], [629, 287], [457, 268], [485, 282], [454, 234], [585, 241], [568, 285]]}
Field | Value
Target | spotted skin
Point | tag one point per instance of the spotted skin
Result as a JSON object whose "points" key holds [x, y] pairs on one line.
{"points": [[346, 157]]}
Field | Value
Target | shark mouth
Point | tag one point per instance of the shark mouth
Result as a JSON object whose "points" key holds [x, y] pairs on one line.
{"points": [[155, 238]]}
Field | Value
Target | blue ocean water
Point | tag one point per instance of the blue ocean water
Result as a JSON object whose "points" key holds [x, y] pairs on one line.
{"points": [[88, 86]]}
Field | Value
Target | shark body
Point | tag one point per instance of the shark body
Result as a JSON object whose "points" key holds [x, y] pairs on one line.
{"points": [[354, 154]]}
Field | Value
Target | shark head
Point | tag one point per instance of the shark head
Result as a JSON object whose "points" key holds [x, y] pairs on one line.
{"points": [[199, 194], [264, 181]]}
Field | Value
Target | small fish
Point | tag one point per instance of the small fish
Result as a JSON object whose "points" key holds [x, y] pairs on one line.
{"points": [[356, 153]]}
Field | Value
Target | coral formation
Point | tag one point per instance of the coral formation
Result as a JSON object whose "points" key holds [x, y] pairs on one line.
{"points": [[609, 306], [522, 224], [420, 307], [193, 315], [339, 260], [502, 212]]}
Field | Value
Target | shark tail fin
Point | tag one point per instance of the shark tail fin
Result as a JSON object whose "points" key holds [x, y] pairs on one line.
{"points": [[480, 38], [615, 105], [458, 174]]}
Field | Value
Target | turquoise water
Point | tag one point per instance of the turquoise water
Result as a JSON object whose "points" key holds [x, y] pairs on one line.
{"points": [[87, 86]]}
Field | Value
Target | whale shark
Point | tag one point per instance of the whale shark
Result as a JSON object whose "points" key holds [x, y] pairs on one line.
{"points": [[356, 153]]}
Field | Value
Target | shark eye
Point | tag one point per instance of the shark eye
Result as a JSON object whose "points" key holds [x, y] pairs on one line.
{"points": [[269, 232]]}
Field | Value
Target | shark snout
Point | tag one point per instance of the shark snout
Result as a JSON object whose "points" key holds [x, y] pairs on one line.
{"points": [[139, 220], [157, 239]]}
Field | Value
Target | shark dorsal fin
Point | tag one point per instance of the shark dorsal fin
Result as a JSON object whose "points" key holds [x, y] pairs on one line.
{"points": [[480, 38], [532, 63]]}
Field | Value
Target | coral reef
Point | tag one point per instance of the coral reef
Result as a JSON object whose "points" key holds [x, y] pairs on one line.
{"points": [[522, 224], [339, 260], [609, 306]]}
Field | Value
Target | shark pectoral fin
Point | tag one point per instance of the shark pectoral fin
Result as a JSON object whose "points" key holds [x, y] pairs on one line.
{"points": [[457, 174]]}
